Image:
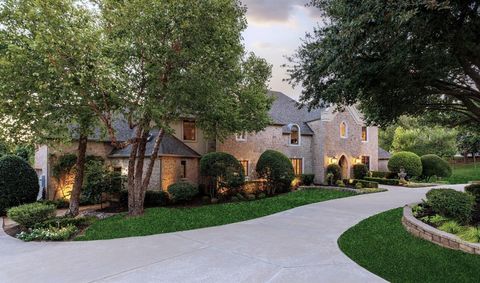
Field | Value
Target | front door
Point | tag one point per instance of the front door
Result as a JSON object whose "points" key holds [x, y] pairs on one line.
{"points": [[344, 167]]}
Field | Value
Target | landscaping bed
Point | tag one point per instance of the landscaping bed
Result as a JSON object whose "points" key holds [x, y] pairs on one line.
{"points": [[383, 246]]}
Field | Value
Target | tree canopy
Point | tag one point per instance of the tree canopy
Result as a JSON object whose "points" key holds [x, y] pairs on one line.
{"points": [[394, 58]]}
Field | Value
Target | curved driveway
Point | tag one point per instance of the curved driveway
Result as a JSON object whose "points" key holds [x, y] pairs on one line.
{"points": [[298, 245]]}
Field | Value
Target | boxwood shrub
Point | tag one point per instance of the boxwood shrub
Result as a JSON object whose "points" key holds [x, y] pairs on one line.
{"points": [[18, 182], [360, 171], [474, 190], [383, 181], [182, 191], [152, 198], [452, 204], [434, 165], [365, 183], [27, 215], [222, 170], [277, 170], [336, 171], [386, 175], [407, 160], [307, 179]]}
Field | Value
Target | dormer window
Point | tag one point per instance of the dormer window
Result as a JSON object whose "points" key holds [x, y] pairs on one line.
{"points": [[241, 137], [343, 130], [294, 135]]}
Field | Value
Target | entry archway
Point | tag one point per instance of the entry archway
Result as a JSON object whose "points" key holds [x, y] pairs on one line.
{"points": [[343, 163]]}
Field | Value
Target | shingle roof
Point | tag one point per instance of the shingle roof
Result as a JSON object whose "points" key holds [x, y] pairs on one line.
{"points": [[285, 111], [383, 154], [170, 145]]}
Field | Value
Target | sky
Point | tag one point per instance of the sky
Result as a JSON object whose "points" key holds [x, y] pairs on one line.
{"points": [[275, 30]]}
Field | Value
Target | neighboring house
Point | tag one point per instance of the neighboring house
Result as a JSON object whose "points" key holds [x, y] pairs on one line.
{"points": [[312, 140]]}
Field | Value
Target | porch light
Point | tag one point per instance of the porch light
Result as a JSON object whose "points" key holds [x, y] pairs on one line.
{"points": [[333, 160]]}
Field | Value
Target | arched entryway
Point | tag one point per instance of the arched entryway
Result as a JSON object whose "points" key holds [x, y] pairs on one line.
{"points": [[343, 163]]}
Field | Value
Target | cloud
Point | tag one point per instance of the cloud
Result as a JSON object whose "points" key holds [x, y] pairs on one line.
{"points": [[275, 11]]}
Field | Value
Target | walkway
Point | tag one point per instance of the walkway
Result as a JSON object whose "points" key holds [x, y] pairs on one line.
{"points": [[298, 245]]}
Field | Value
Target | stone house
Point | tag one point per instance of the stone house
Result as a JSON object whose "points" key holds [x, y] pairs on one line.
{"points": [[311, 139]]}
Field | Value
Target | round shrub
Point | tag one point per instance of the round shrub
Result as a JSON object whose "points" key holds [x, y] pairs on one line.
{"points": [[27, 215], [474, 190], [336, 172], [223, 169], [307, 179], [360, 171], [18, 182], [182, 191], [452, 204], [277, 170], [434, 165], [407, 160]]}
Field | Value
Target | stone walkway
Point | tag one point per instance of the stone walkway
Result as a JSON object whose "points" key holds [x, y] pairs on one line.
{"points": [[298, 245]]}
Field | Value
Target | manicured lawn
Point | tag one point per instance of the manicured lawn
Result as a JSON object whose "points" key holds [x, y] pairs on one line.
{"points": [[162, 220], [463, 173], [381, 245]]}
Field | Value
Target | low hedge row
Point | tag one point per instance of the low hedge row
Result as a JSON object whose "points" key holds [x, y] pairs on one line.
{"points": [[381, 174], [365, 183], [384, 181]]}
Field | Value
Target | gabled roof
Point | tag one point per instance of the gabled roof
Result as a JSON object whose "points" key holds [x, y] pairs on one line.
{"points": [[286, 111], [170, 146], [383, 154]]}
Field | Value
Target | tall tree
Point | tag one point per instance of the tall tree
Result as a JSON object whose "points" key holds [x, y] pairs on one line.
{"points": [[50, 62], [182, 59], [468, 141], [394, 58]]}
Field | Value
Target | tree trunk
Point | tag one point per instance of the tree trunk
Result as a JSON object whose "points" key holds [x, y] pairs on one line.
{"points": [[131, 171], [80, 170]]}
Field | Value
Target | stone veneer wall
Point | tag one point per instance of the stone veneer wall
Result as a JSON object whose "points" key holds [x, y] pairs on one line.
{"points": [[270, 138], [429, 233]]}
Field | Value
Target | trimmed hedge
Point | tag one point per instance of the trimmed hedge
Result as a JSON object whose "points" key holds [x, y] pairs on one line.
{"points": [[474, 190], [383, 181], [408, 160], [434, 165], [365, 183], [152, 198], [360, 171], [307, 179], [18, 182], [452, 204], [386, 175], [277, 169], [27, 215], [182, 191]]}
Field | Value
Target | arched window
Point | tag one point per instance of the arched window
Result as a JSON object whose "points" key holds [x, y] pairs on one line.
{"points": [[294, 135], [343, 130]]}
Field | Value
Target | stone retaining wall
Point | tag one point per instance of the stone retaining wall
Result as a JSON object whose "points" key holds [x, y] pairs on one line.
{"points": [[429, 233]]}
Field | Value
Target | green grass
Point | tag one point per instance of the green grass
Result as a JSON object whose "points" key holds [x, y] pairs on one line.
{"points": [[381, 245], [463, 173], [162, 220]]}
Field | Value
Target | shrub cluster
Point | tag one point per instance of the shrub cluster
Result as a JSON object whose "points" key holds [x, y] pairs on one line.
{"points": [[386, 175], [28, 215], [18, 182], [49, 234], [360, 171], [383, 181], [307, 179], [434, 165], [335, 172], [152, 198], [474, 190], [409, 161], [452, 204], [182, 191], [222, 170], [365, 183], [277, 170]]}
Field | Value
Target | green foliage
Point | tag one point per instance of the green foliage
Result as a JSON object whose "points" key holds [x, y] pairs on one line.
{"points": [[307, 179], [336, 172], [406, 160], [64, 164], [471, 234], [434, 165], [27, 215], [358, 186], [365, 183], [18, 182], [386, 175], [425, 139], [474, 190], [224, 170], [99, 179], [436, 219], [277, 170], [451, 227], [383, 181], [468, 140], [49, 234], [182, 191], [452, 204], [360, 171], [64, 221], [407, 56], [340, 183], [152, 198], [58, 203]]}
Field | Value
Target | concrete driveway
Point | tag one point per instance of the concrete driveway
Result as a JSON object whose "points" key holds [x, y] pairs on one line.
{"points": [[298, 245]]}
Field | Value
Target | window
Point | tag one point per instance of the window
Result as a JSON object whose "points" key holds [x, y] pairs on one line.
{"points": [[241, 137], [343, 130], [297, 166], [294, 135], [366, 161], [364, 134], [189, 130], [183, 168], [117, 169], [245, 167]]}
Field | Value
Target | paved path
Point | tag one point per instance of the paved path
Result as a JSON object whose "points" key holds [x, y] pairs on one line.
{"points": [[298, 245]]}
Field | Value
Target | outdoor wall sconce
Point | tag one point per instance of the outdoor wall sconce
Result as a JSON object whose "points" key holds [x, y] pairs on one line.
{"points": [[333, 160]]}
